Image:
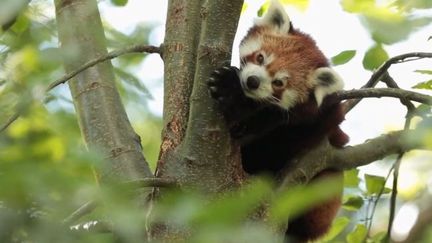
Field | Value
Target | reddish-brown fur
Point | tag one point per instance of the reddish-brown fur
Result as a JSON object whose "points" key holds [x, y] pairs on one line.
{"points": [[298, 54], [272, 137], [295, 52]]}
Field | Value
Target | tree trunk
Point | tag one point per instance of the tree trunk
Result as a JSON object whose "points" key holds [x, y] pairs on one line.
{"points": [[101, 115], [196, 145]]}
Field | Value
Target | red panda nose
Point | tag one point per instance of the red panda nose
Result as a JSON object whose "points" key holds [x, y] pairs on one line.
{"points": [[253, 82]]}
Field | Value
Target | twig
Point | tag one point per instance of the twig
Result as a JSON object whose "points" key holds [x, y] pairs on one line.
{"points": [[80, 212], [11, 120], [395, 181], [383, 92], [376, 76], [391, 83], [394, 60], [110, 55], [380, 193], [91, 63]]}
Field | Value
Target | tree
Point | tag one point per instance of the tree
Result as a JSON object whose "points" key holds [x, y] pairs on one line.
{"points": [[197, 154]]}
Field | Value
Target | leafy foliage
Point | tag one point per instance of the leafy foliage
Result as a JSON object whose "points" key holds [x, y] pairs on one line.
{"points": [[375, 57], [343, 57], [46, 171], [388, 22]]}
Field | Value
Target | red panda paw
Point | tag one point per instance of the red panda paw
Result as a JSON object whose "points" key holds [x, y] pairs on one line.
{"points": [[224, 84]]}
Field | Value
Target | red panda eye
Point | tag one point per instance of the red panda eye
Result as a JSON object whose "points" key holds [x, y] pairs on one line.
{"points": [[278, 83], [260, 58]]}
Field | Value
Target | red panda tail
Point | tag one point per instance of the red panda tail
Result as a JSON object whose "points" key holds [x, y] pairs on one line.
{"points": [[317, 221]]}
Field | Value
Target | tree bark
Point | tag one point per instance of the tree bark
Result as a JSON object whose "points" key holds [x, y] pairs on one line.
{"points": [[202, 149], [101, 115]]}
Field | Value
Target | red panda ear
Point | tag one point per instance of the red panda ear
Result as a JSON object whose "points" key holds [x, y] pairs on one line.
{"points": [[326, 81], [275, 18]]}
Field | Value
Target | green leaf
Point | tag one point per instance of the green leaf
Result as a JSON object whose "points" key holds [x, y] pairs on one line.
{"points": [[119, 2], [338, 225], [263, 9], [389, 30], [244, 7], [233, 207], [352, 202], [351, 178], [428, 72], [419, 4], [343, 57], [379, 237], [423, 110], [375, 57], [300, 4], [358, 235], [21, 24], [357, 6], [297, 200], [424, 85], [374, 184]]}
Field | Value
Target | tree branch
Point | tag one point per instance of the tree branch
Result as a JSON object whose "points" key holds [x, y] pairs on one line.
{"points": [[9, 121], [89, 64], [206, 151], [85, 209], [376, 76], [412, 56], [374, 149], [101, 115], [325, 156], [383, 92], [111, 55]]}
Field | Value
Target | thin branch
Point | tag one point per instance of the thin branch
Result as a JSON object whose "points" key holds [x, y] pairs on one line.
{"points": [[376, 76], [391, 83], [110, 55], [383, 92], [11, 120], [85, 209], [395, 180], [378, 197], [374, 149], [89, 64], [325, 156], [412, 56]]}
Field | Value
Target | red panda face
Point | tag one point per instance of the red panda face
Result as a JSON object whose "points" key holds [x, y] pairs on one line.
{"points": [[283, 66]]}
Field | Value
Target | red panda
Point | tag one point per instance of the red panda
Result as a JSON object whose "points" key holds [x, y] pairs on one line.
{"points": [[275, 106]]}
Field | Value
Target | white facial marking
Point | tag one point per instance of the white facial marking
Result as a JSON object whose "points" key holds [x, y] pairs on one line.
{"points": [[282, 75], [250, 46], [288, 99], [326, 87], [265, 89]]}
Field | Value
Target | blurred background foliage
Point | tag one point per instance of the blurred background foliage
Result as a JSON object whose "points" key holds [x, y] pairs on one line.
{"points": [[46, 172]]}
